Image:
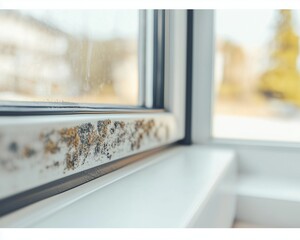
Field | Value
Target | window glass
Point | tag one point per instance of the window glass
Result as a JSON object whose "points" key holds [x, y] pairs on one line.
{"points": [[257, 75], [69, 56]]}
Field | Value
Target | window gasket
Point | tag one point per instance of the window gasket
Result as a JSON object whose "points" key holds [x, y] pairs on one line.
{"points": [[49, 108], [159, 59], [187, 140]]}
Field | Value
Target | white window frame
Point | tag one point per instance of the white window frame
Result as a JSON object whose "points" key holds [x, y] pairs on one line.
{"points": [[203, 85], [268, 171], [203, 74], [23, 137]]}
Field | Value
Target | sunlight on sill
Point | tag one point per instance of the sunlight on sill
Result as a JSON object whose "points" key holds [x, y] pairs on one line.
{"points": [[254, 128]]}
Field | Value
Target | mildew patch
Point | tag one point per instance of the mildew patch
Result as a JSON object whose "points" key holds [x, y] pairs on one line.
{"points": [[72, 160], [8, 165], [54, 165], [69, 136], [51, 147], [13, 147], [102, 141], [28, 152], [45, 151]]}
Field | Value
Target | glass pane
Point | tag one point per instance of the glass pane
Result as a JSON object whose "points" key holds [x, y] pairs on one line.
{"points": [[257, 75], [69, 56]]}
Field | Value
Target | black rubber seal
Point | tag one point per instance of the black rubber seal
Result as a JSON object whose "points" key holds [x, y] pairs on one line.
{"points": [[189, 79], [159, 59]]}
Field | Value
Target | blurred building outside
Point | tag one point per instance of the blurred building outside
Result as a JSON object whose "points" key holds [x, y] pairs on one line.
{"points": [[258, 89], [240, 79], [39, 62]]}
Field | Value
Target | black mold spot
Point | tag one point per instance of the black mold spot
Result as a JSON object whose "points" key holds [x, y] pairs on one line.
{"points": [[69, 163], [97, 149], [100, 124], [113, 145], [103, 149], [13, 147], [102, 127], [55, 164], [85, 151], [71, 160], [75, 158], [84, 131], [119, 124], [28, 152], [116, 124]]}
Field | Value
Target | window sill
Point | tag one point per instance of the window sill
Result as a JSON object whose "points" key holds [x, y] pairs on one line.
{"points": [[179, 187], [268, 201]]}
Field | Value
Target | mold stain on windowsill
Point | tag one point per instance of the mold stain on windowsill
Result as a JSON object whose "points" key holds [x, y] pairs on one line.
{"points": [[72, 147]]}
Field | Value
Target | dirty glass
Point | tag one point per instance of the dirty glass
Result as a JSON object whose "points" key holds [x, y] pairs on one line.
{"points": [[257, 75], [77, 56]]}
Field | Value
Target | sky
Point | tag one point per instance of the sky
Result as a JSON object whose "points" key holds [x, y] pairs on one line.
{"points": [[251, 28]]}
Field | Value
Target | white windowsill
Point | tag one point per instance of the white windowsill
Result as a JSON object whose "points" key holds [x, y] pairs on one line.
{"points": [[179, 187], [268, 201]]}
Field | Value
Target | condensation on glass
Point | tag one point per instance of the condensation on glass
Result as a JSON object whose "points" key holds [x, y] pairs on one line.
{"points": [[69, 56], [257, 75]]}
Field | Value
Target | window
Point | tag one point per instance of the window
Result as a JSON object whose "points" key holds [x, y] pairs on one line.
{"points": [[81, 91], [69, 56], [257, 75]]}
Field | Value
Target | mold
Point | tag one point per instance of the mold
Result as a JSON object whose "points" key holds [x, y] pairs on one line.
{"points": [[54, 165], [142, 130], [51, 147], [94, 141], [8, 165], [46, 135], [107, 121], [84, 132], [13, 147], [28, 152], [102, 127], [71, 161], [97, 149], [70, 136], [100, 124]]}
